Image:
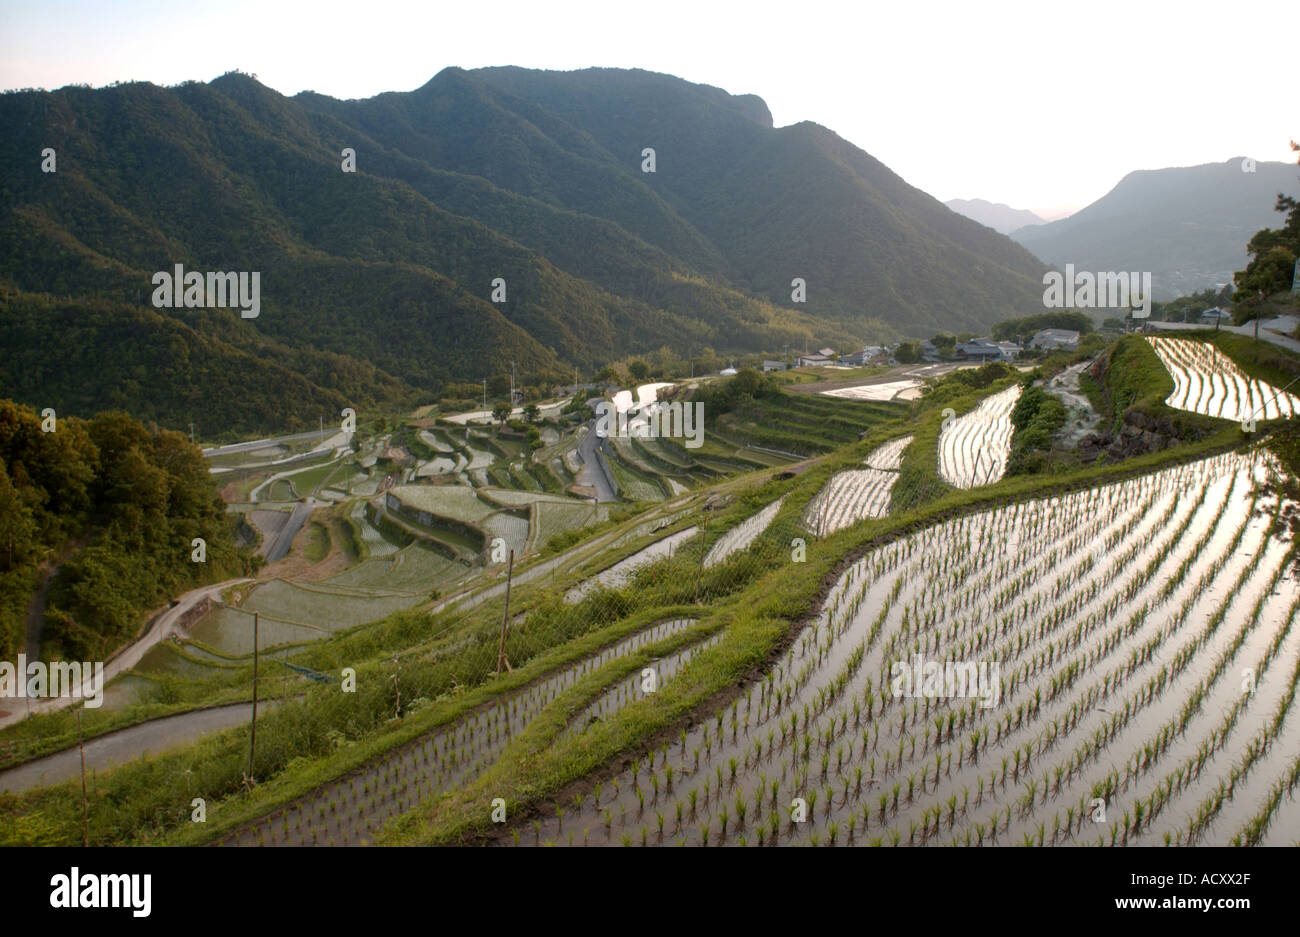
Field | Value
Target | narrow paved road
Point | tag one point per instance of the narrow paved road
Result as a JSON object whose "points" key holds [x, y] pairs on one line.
{"points": [[267, 443], [1282, 341], [284, 539], [548, 409], [594, 472], [116, 748], [164, 626]]}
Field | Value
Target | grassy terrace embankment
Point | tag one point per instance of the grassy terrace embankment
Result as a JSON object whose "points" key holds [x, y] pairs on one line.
{"points": [[756, 601], [758, 623]]}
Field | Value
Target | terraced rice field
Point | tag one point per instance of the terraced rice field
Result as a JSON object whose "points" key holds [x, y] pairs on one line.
{"points": [[489, 509], [354, 809], [433, 442], [742, 535], [459, 502], [513, 497], [375, 543], [295, 613], [229, 632], [616, 576], [973, 448], [888, 457], [847, 498], [1139, 660], [553, 517], [1208, 382], [638, 686], [320, 606], [510, 528], [414, 569], [857, 494], [633, 485], [439, 466], [891, 390]]}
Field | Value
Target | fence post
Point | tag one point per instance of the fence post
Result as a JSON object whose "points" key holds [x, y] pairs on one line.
{"points": [[85, 804], [252, 745], [505, 619]]}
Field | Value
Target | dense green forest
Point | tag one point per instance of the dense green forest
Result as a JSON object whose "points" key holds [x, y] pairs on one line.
{"points": [[86, 355], [378, 285], [120, 503]]}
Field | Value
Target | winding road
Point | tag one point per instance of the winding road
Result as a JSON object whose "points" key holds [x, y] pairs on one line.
{"points": [[1276, 338], [127, 744], [594, 472], [164, 626]]}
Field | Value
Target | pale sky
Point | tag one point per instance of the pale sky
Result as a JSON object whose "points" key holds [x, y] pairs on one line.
{"points": [[1039, 105]]}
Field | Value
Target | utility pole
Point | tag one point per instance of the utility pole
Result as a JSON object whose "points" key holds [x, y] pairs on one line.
{"points": [[85, 804], [484, 393], [252, 745], [505, 618], [512, 383], [191, 432]]}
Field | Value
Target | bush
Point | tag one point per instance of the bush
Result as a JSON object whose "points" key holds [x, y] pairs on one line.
{"points": [[1037, 416]]}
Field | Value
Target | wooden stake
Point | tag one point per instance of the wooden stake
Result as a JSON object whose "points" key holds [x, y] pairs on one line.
{"points": [[85, 804], [505, 619], [252, 745], [699, 576]]}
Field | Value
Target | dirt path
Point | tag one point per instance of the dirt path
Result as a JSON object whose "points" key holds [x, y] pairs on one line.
{"points": [[36, 607], [1082, 419]]}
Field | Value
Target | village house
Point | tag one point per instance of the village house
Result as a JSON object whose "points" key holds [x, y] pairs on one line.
{"points": [[978, 349], [869, 355], [1010, 350], [1052, 339]]}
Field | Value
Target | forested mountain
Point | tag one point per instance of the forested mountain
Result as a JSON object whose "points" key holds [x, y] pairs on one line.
{"points": [[1188, 226], [377, 284]]}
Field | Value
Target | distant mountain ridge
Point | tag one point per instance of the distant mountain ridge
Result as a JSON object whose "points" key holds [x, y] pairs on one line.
{"points": [[533, 178], [1188, 226], [1001, 218]]}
